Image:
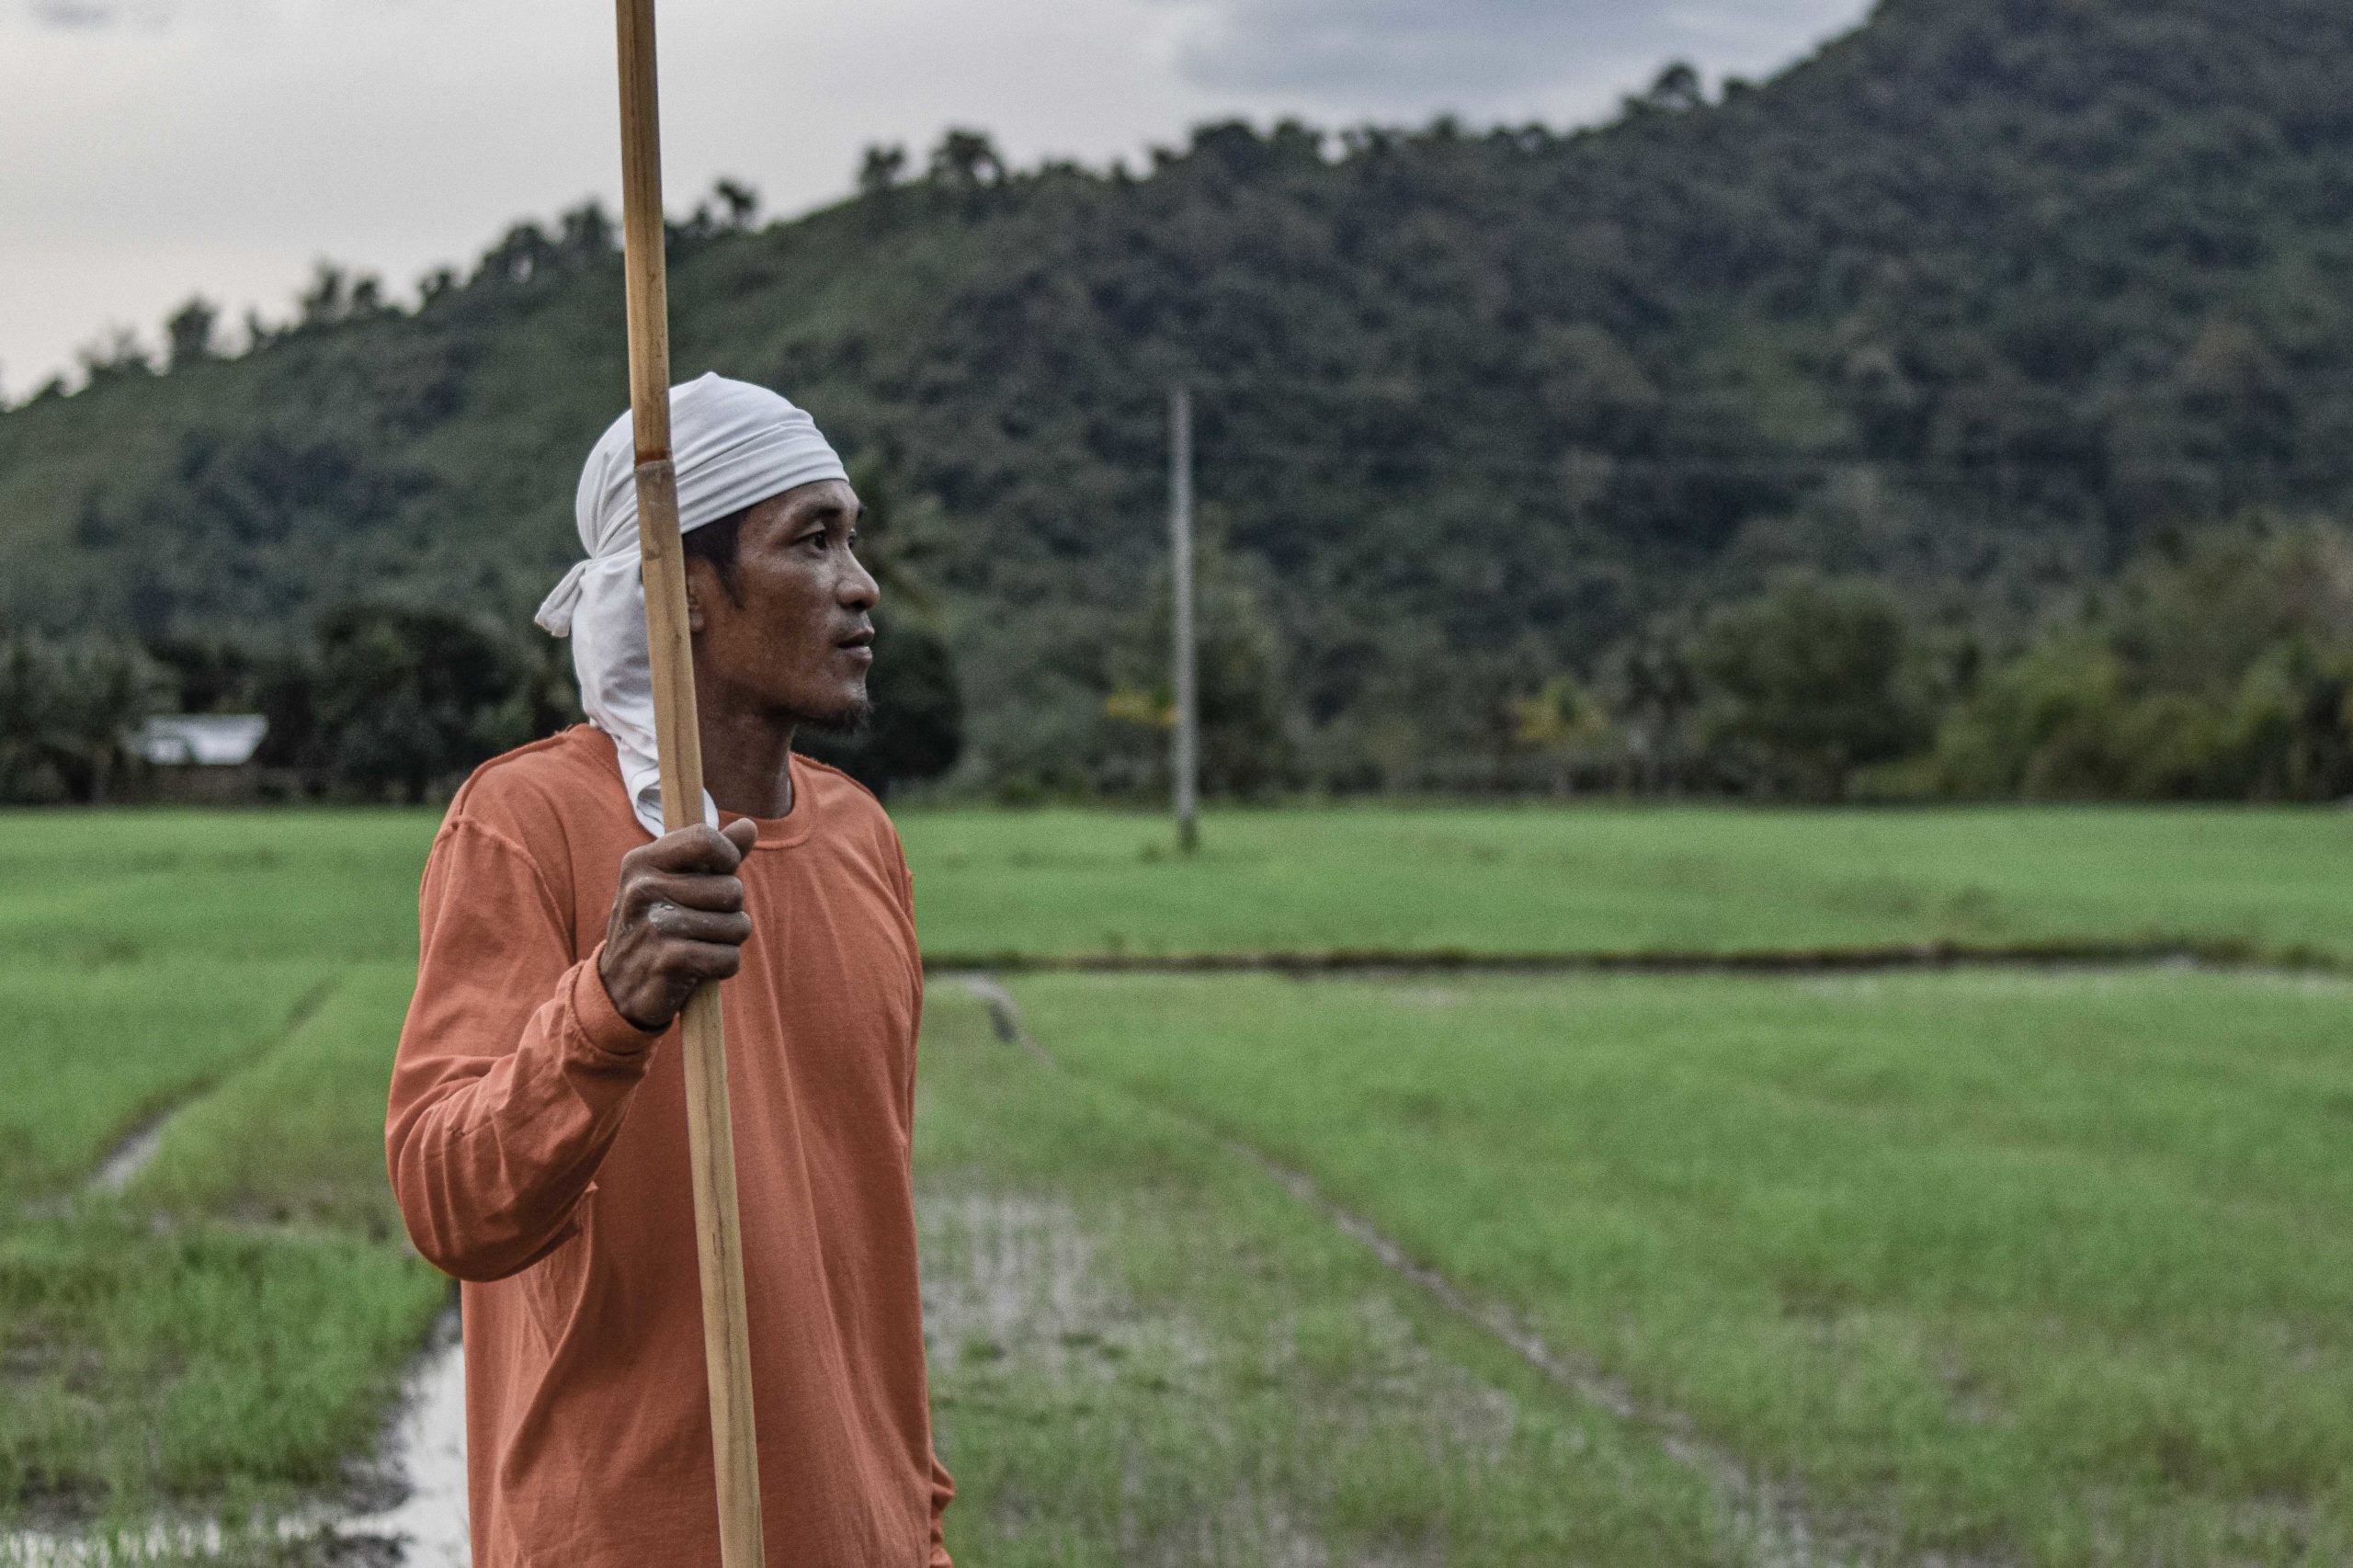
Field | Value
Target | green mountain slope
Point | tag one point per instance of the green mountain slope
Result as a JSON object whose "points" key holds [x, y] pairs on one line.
{"points": [[1979, 299]]}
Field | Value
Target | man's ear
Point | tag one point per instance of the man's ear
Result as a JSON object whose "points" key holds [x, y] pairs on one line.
{"points": [[697, 585]]}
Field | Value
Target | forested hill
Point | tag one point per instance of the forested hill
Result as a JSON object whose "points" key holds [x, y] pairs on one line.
{"points": [[1978, 300]]}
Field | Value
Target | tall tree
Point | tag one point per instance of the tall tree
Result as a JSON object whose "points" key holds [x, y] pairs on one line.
{"points": [[189, 335], [1810, 682]]}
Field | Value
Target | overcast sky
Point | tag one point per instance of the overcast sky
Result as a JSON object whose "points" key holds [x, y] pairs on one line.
{"points": [[150, 149]]}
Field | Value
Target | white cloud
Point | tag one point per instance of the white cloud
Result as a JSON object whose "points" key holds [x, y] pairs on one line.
{"points": [[1471, 54], [74, 13], [153, 148], [81, 14]]}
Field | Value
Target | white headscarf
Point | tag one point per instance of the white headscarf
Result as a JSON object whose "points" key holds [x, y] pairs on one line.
{"points": [[734, 445]]}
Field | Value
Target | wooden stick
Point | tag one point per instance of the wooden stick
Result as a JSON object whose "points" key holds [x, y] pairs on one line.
{"points": [[711, 1140]]}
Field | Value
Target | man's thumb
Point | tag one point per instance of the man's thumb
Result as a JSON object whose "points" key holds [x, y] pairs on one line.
{"points": [[742, 833]]}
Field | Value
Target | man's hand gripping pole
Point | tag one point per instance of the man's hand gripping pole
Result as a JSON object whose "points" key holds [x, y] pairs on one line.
{"points": [[719, 1236]]}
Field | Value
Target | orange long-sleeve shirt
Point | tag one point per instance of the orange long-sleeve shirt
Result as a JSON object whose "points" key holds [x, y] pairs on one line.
{"points": [[538, 1147]]}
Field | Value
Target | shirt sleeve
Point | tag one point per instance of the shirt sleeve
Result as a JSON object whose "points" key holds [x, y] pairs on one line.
{"points": [[943, 1491], [943, 1485], [513, 1069]]}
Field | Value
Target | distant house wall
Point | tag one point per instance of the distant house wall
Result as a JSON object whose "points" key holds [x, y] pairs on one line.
{"points": [[183, 786], [200, 758]]}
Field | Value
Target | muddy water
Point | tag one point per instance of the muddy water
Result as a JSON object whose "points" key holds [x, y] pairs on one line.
{"points": [[424, 1455], [428, 1453]]}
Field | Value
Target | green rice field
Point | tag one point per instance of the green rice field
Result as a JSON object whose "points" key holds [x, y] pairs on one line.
{"points": [[2014, 1265], [1501, 880]]}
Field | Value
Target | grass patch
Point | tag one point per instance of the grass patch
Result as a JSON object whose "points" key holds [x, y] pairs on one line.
{"points": [[111, 887], [1144, 1352], [170, 963], [219, 1369], [146, 955], [91, 1053], [319, 1097], [2048, 1267]]}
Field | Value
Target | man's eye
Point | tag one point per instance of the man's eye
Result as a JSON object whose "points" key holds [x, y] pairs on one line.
{"points": [[852, 539], [818, 538]]}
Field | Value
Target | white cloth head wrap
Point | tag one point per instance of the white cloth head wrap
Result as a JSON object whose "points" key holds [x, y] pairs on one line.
{"points": [[734, 445]]}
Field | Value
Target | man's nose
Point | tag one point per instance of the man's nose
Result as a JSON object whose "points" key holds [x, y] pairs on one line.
{"points": [[858, 589]]}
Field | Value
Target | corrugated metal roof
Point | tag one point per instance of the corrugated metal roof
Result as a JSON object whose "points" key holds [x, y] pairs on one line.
{"points": [[200, 740]]}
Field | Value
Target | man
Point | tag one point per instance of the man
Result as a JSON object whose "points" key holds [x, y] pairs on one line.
{"points": [[537, 1129]]}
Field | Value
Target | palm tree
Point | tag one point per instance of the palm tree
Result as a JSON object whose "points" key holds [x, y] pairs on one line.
{"points": [[967, 161]]}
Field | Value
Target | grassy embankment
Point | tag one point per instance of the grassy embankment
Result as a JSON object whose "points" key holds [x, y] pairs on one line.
{"points": [[2037, 1268]]}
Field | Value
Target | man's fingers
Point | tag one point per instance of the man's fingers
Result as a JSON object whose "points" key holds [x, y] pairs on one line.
{"points": [[697, 848], [709, 960], [679, 921], [699, 925], [723, 895]]}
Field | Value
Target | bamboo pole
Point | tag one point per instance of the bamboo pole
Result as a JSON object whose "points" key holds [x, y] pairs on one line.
{"points": [[719, 1235]]}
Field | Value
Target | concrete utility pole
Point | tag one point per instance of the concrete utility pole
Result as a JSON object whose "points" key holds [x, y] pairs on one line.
{"points": [[1186, 763]]}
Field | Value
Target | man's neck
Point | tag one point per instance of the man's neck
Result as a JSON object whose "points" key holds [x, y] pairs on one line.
{"points": [[746, 759]]}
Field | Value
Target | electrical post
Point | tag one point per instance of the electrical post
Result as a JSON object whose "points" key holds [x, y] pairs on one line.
{"points": [[1186, 761]]}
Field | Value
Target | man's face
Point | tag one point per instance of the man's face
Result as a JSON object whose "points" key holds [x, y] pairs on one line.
{"points": [[790, 636]]}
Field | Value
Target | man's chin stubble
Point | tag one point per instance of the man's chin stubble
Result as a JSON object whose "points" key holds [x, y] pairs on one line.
{"points": [[842, 723]]}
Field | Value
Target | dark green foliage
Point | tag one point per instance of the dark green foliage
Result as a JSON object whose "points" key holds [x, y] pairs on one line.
{"points": [[252, 523], [965, 161], [1980, 302], [1247, 749], [188, 335], [2221, 669], [1808, 683], [405, 698], [206, 674], [381, 701], [66, 714], [917, 731], [879, 169]]}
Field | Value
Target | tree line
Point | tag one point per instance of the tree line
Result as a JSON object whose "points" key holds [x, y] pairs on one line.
{"points": [[1507, 434], [2216, 666], [390, 703]]}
